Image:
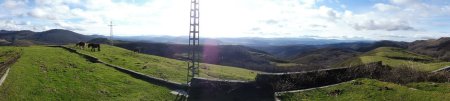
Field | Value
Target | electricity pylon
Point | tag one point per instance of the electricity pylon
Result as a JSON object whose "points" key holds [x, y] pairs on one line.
{"points": [[194, 42], [111, 33]]}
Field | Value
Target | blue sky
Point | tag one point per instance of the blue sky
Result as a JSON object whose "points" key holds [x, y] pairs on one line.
{"points": [[402, 20]]}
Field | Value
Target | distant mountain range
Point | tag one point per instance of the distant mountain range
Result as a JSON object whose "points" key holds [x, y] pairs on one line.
{"points": [[54, 36], [246, 41], [60, 36]]}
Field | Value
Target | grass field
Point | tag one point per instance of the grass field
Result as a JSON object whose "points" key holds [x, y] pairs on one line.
{"points": [[8, 52], [44, 74], [165, 68], [396, 57], [373, 90]]}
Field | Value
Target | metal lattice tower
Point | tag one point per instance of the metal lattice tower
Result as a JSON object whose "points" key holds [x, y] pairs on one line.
{"points": [[194, 42], [111, 32]]}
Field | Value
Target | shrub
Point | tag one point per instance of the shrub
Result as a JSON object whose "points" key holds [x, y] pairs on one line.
{"points": [[404, 75]]}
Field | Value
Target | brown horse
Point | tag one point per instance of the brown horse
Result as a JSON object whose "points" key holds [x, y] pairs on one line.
{"points": [[137, 50], [80, 44], [93, 46]]}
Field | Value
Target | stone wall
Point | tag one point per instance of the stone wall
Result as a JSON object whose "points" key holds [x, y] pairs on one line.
{"points": [[311, 79], [225, 90], [266, 84]]}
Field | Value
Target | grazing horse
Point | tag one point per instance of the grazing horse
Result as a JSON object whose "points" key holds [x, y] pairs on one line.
{"points": [[137, 50], [80, 44], [93, 46]]}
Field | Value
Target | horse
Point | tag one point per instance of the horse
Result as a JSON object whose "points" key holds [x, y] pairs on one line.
{"points": [[93, 46], [137, 50], [80, 44]]}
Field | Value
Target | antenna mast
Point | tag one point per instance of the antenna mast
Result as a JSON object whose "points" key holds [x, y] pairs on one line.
{"points": [[194, 41], [111, 33]]}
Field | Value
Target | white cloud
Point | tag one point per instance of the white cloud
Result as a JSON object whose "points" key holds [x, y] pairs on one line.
{"points": [[404, 2], [69, 26], [51, 10], [12, 8], [386, 7], [387, 25], [226, 18], [14, 25], [39, 13], [14, 4], [328, 13]]}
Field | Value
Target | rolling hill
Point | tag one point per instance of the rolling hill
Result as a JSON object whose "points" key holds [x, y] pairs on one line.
{"points": [[228, 55], [165, 68], [397, 57], [287, 51], [54, 36], [369, 90], [58, 36], [325, 56], [438, 48], [290, 52], [45, 73]]}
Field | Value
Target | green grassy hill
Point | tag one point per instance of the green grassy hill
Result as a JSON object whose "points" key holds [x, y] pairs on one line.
{"points": [[165, 68], [225, 55], [53, 36], [396, 57], [374, 90], [325, 56], [438, 48], [7, 53], [44, 73]]}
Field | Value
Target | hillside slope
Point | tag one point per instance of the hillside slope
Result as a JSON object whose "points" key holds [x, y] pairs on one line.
{"points": [[228, 55], [288, 51], [397, 57], [325, 56], [58, 36], [54, 36], [165, 68], [8, 55], [370, 90], [438, 48], [44, 73]]}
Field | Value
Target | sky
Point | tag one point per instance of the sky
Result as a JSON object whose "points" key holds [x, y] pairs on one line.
{"points": [[401, 20]]}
